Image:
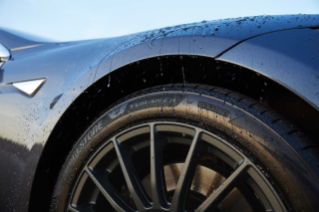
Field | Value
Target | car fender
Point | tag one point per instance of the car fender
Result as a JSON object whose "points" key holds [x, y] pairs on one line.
{"points": [[70, 68], [290, 58]]}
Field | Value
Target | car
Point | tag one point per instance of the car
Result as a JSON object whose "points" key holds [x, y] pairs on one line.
{"points": [[212, 116]]}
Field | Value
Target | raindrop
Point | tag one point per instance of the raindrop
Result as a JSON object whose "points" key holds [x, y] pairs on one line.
{"points": [[258, 26], [144, 80], [109, 84], [218, 67], [183, 73], [161, 69], [265, 83], [216, 29], [213, 33]]}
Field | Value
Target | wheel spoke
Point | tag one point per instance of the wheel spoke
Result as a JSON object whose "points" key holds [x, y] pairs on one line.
{"points": [[115, 199], [132, 179], [73, 209], [223, 189], [157, 172], [186, 176], [82, 209]]}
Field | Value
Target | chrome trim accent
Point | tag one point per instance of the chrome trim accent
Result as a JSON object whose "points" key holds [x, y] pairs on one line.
{"points": [[25, 47], [4, 59], [4, 53], [29, 87]]}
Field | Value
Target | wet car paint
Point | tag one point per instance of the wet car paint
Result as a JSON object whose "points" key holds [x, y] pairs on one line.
{"points": [[289, 57], [13, 41], [70, 68]]}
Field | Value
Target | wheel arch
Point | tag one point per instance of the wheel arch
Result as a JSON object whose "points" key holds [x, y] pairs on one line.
{"points": [[144, 66]]}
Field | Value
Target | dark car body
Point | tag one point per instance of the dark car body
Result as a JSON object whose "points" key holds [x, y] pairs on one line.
{"points": [[283, 49]]}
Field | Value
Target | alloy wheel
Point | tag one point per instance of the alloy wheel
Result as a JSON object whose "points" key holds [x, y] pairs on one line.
{"points": [[173, 167]]}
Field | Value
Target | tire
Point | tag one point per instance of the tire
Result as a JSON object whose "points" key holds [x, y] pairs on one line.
{"points": [[283, 158]]}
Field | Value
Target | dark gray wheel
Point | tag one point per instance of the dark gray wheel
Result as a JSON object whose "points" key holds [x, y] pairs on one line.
{"points": [[187, 149]]}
